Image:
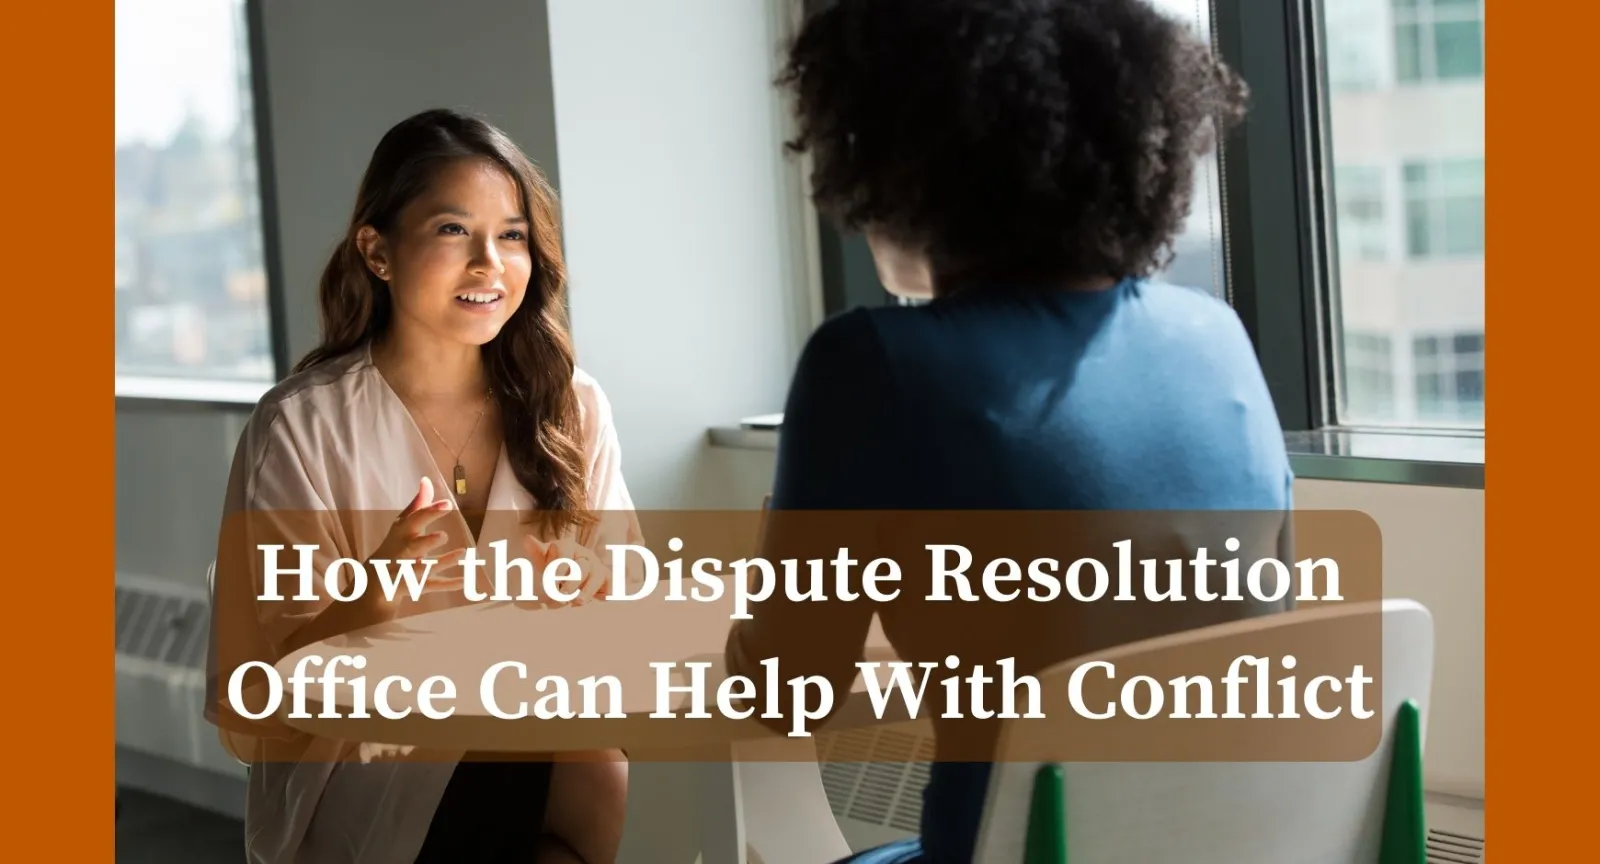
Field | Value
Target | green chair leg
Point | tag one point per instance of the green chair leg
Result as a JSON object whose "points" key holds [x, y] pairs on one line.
{"points": [[1047, 818], [1405, 833]]}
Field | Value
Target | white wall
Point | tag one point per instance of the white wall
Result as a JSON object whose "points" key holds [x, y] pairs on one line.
{"points": [[683, 234], [342, 73], [685, 253], [1433, 553]]}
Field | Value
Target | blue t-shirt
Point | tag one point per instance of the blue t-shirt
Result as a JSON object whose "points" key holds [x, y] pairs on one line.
{"points": [[1145, 396]]}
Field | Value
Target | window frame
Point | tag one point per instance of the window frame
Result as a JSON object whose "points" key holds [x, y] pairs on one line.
{"points": [[156, 391], [1281, 233]]}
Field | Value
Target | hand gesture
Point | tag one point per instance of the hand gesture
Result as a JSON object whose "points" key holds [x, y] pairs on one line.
{"points": [[409, 538], [596, 574]]}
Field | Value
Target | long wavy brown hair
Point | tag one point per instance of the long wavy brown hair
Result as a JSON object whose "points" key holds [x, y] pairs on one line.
{"points": [[530, 363]]}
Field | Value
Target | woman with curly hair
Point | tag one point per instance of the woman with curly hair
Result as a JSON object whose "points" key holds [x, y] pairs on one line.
{"points": [[1023, 165]]}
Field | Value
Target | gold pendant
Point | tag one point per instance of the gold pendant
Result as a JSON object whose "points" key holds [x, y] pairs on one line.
{"points": [[461, 480]]}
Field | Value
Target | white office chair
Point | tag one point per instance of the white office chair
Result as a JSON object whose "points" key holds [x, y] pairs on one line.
{"points": [[1367, 812]]}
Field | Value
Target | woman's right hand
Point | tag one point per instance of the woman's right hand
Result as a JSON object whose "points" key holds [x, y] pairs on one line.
{"points": [[410, 538]]}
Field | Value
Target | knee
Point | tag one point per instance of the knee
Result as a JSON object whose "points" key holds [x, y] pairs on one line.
{"points": [[604, 783], [589, 803]]}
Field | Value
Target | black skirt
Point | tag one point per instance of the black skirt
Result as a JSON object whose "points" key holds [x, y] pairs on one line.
{"points": [[492, 811]]}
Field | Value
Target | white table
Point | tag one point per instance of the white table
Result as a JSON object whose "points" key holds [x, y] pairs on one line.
{"points": [[756, 786]]}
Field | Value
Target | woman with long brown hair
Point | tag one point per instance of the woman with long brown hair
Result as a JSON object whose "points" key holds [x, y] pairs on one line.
{"points": [[444, 389]]}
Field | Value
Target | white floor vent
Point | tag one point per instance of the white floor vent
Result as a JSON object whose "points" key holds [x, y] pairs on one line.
{"points": [[162, 638], [1447, 847], [874, 779], [162, 626], [1455, 830]]}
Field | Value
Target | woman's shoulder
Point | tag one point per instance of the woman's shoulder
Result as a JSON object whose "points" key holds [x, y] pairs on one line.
{"points": [[592, 399], [304, 397], [848, 344], [594, 412], [1194, 307]]}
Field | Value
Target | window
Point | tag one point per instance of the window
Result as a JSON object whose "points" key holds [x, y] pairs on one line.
{"points": [[1438, 40], [1363, 224], [1356, 47], [191, 281], [1444, 208], [1369, 375], [1448, 371], [1198, 255], [1406, 160]]}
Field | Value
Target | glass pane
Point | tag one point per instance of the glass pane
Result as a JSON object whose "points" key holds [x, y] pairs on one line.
{"points": [[1461, 176], [1407, 52], [1419, 229], [1416, 179], [1363, 226], [191, 287], [1458, 49], [1453, 10], [1424, 137], [1463, 226], [1429, 390], [1370, 373], [1198, 260]]}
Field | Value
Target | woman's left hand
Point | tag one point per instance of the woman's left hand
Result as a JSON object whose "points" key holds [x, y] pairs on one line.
{"points": [[596, 575]]}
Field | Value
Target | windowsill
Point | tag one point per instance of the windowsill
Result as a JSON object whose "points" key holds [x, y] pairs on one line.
{"points": [[199, 392], [1406, 457]]}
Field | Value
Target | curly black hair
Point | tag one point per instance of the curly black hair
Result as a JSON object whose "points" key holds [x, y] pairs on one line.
{"points": [[1034, 140]]}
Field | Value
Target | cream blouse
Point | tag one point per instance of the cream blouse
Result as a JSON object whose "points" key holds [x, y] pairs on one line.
{"points": [[338, 438]]}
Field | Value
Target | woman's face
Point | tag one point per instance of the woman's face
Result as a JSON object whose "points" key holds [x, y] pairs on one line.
{"points": [[903, 272], [459, 258]]}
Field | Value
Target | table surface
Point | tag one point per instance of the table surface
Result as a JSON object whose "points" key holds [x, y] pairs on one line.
{"points": [[620, 639]]}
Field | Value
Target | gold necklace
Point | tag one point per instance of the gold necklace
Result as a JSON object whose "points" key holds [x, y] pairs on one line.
{"points": [[459, 473]]}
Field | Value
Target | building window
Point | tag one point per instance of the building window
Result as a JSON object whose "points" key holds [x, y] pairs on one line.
{"points": [[1357, 44], [191, 284], [1363, 213], [1448, 371], [1368, 377], [1407, 210], [1444, 208], [1438, 40]]}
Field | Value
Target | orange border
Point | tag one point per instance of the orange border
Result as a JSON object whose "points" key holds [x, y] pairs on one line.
{"points": [[58, 637], [1540, 589], [1542, 758]]}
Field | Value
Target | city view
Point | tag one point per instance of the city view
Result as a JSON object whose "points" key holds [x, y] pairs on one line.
{"points": [[1407, 101], [191, 287]]}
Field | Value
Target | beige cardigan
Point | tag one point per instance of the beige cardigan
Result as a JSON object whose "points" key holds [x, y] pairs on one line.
{"points": [[337, 438]]}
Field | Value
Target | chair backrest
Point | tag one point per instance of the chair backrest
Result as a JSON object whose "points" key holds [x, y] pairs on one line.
{"points": [[1215, 812]]}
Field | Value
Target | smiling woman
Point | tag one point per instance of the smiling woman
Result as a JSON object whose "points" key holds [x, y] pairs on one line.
{"points": [[451, 209], [444, 354]]}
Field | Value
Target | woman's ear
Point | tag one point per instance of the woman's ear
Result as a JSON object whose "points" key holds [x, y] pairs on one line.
{"points": [[903, 272], [373, 251]]}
